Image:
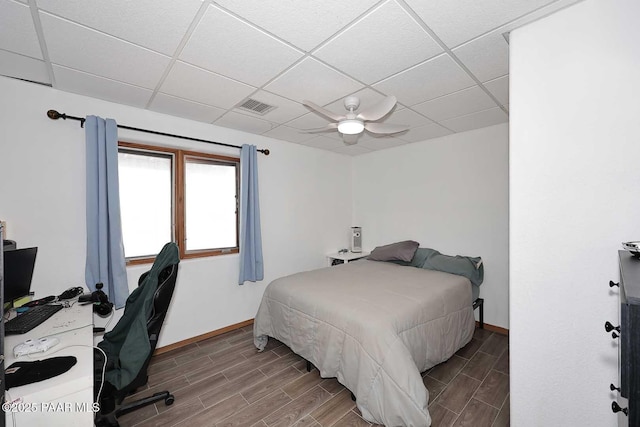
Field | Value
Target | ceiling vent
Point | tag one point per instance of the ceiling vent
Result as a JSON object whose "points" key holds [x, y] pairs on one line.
{"points": [[256, 107]]}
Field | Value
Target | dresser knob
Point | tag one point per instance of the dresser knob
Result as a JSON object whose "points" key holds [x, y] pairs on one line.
{"points": [[614, 388], [612, 284], [616, 408], [609, 327]]}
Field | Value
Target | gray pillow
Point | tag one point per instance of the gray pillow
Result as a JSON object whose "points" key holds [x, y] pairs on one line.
{"points": [[401, 251]]}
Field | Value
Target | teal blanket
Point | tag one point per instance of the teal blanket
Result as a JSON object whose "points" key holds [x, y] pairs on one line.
{"points": [[470, 267], [127, 345]]}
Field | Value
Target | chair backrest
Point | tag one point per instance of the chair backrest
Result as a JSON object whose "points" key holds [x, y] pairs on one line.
{"points": [[161, 301], [160, 305]]}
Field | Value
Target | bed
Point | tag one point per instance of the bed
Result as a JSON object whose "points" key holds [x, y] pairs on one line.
{"points": [[375, 326]]}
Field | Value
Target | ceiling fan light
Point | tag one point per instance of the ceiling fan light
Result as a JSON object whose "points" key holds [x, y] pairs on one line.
{"points": [[350, 127]]}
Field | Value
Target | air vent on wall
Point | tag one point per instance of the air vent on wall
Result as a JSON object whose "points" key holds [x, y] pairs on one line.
{"points": [[255, 106]]}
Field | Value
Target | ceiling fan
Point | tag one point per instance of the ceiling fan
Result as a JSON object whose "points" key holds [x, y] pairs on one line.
{"points": [[352, 124]]}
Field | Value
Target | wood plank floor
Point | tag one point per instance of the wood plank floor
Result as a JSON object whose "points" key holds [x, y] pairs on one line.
{"points": [[225, 382]]}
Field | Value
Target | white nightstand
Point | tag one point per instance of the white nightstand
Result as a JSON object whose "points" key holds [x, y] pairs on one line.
{"points": [[345, 257]]}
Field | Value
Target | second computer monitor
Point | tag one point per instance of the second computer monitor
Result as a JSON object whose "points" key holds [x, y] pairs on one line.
{"points": [[18, 271]]}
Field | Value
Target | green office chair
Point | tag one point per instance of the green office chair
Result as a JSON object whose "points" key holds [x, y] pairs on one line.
{"points": [[131, 343]]}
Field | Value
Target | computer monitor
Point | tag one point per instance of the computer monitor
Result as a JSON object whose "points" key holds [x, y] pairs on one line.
{"points": [[18, 271]]}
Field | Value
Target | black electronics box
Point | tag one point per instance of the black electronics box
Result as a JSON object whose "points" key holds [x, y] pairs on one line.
{"points": [[8, 245]]}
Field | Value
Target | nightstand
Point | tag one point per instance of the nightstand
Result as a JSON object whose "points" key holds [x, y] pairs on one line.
{"points": [[336, 258]]}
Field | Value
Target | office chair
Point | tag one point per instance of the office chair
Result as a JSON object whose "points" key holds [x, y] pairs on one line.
{"points": [[122, 380]]}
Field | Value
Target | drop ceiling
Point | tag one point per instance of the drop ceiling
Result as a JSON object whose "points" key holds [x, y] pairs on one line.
{"points": [[446, 61]]}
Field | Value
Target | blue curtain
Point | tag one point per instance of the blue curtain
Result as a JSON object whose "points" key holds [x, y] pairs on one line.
{"points": [[105, 250], [251, 266]]}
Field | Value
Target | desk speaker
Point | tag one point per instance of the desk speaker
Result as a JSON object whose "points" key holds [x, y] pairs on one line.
{"points": [[356, 239]]}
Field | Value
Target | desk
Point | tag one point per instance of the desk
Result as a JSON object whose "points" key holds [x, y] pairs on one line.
{"points": [[64, 400]]}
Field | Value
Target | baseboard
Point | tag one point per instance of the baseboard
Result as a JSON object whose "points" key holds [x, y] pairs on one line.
{"points": [[202, 337], [492, 328]]}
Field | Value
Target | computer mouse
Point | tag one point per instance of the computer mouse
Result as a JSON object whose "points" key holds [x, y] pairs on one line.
{"points": [[70, 293]]}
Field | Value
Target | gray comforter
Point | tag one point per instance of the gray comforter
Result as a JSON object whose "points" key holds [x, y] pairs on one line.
{"points": [[374, 326]]}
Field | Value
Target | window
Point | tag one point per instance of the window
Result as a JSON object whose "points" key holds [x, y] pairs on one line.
{"points": [[176, 195]]}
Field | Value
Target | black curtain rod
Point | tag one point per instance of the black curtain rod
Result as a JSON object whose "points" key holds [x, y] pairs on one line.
{"points": [[54, 115]]}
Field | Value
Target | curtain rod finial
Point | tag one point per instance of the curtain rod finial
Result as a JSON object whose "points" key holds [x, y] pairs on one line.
{"points": [[53, 114], [265, 151]]}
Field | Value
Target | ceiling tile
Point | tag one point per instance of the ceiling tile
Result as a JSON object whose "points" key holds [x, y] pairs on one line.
{"points": [[486, 57], [134, 65], [458, 21], [456, 104], [17, 32], [195, 84], [334, 134], [366, 96], [304, 24], [285, 111], [538, 13], [499, 88], [435, 77], [168, 104], [23, 67], [314, 81], [324, 143], [97, 87], [156, 24], [308, 121], [286, 133], [406, 117], [477, 120], [226, 45], [403, 43], [423, 133], [244, 123], [379, 143]]}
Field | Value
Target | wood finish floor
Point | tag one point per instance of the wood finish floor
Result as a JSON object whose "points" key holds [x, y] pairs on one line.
{"points": [[225, 382]]}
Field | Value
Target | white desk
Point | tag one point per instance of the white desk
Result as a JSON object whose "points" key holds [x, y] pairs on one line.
{"points": [[64, 400]]}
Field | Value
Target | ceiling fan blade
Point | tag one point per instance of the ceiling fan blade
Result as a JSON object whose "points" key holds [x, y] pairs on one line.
{"points": [[323, 111], [329, 127], [385, 128], [350, 139], [379, 110]]}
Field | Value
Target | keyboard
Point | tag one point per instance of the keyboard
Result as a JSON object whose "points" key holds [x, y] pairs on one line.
{"points": [[28, 320]]}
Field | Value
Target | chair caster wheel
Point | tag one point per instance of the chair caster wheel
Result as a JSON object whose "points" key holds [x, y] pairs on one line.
{"points": [[169, 400]]}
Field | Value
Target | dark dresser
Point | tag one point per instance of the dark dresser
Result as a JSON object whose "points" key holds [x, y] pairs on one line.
{"points": [[627, 405]]}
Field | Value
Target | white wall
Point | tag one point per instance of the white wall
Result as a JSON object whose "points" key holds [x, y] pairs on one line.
{"points": [[449, 194], [574, 196], [305, 196]]}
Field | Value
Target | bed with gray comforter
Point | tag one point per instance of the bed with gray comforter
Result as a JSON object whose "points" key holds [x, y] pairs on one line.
{"points": [[375, 326]]}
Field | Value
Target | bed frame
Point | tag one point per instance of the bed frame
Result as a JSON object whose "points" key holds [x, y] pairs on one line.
{"points": [[480, 303]]}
